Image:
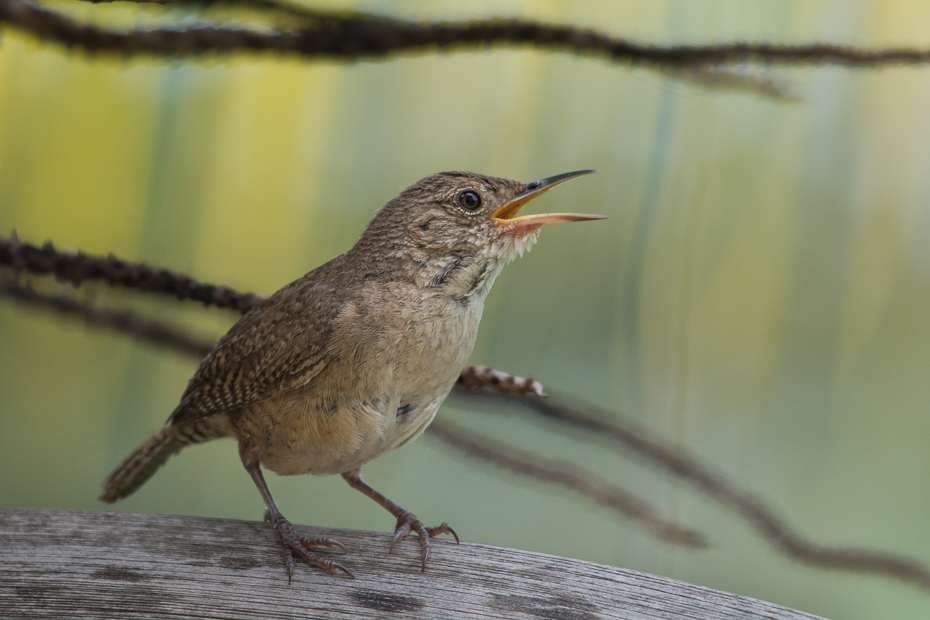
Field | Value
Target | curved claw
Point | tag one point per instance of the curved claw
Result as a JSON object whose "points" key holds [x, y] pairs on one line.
{"points": [[288, 563], [403, 529], [322, 542], [339, 567], [443, 528], [424, 536]]}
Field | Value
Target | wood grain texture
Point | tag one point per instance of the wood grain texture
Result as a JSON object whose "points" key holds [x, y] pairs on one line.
{"points": [[56, 564]]}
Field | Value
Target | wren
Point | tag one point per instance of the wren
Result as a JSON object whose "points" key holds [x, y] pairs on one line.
{"points": [[354, 358]]}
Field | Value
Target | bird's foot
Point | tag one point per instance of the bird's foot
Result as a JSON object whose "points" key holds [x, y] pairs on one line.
{"points": [[407, 522], [292, 543]]}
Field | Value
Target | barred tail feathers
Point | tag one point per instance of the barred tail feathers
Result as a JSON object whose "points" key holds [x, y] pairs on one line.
{"points": [[139, 466]]}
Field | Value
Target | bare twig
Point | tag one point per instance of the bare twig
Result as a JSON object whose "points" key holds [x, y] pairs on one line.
{"points": [[566, 474], [358, 36], [604, 424], [712, 77], [76, 268], [690, 469], [127, 322]]}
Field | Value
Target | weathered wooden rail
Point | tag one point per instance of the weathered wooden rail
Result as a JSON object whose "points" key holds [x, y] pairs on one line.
{"points": [[56, 564]]}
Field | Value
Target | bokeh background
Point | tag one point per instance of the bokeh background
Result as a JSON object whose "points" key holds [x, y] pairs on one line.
{"points": [[760, 293]]}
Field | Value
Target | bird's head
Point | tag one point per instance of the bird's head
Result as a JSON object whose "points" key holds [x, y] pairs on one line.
{"points": [[462, 217]]}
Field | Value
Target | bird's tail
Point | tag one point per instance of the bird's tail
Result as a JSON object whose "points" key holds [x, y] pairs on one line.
{"points": [[150, 456]]}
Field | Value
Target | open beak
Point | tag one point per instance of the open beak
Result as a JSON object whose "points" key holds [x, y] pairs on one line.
{"points": [[505, 215]]}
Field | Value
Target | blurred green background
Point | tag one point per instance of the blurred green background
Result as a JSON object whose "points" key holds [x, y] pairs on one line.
{"points": [[760, 293]]}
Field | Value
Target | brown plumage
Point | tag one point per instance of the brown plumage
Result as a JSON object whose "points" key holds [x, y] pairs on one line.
{"points": [[354, 358]]}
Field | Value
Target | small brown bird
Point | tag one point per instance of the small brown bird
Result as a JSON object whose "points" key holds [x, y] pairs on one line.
{"points": [[354, 358]]}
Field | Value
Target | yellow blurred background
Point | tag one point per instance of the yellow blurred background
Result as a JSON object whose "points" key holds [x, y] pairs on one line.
{"points": [[760, 293]]}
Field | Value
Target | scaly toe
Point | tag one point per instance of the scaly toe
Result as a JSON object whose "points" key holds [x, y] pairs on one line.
{"points": [[292, 543], [407, 522]]}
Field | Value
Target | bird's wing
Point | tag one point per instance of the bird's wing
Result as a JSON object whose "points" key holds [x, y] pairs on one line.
{"points": [[279, 345]]}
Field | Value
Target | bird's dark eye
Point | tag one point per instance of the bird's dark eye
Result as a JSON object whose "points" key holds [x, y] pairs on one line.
{"points": [[469, 200]]}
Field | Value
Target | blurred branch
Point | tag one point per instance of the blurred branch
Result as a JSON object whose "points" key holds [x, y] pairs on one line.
{"points": [[625, 432], [475, 377], [352, 36], [565, 474], [23, 257], [127, 322]]}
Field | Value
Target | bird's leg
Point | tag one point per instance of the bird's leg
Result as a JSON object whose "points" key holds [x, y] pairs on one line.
{"points": [[406, 520], [290, 541]]}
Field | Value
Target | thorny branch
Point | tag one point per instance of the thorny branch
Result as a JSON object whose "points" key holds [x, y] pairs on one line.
{"points": [[353, 36], [127, 322], [565, 474], [625, 432], [76, 267], [475, 377]]}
